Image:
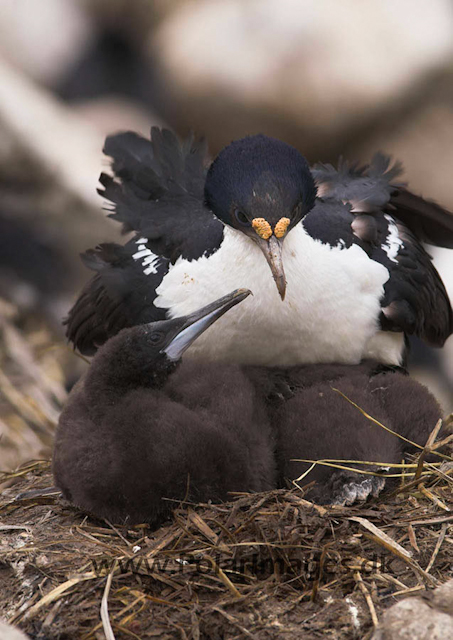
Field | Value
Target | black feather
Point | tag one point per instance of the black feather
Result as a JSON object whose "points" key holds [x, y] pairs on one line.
{"points": [[158, 192], [429, 221]]}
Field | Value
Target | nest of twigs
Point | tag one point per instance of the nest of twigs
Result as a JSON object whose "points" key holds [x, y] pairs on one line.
{"points": [[263, 565], [34, 364], [269, 565]]}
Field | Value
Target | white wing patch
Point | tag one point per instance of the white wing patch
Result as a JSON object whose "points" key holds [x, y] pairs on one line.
{"points": [[150, 259], [393, 242]]}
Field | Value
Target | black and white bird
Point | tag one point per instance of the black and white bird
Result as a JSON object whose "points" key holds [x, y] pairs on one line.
{"points": [[333, 256]]}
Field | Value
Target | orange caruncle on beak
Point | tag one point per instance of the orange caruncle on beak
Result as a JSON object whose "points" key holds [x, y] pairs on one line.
{"points": [[281, 227], [262, 228]]}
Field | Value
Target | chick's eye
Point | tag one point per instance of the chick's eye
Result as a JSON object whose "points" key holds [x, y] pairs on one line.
{"points": [[155, 337], [241, 217]]}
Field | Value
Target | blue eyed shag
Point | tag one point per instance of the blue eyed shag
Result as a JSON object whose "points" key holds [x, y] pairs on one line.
{"points": [[334, 256]]}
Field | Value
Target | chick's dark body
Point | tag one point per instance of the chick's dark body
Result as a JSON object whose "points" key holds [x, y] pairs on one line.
{"points": [[198, 437], [313, 421], [130, 451], [140, 430]]}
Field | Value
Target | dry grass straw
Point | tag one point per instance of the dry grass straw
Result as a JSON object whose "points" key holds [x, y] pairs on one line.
{"points": [[256, 565], [32, 388]]}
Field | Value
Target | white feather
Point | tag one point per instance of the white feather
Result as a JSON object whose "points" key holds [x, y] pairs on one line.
{"points": [[142, 252], [393, 242], [149, 257]]}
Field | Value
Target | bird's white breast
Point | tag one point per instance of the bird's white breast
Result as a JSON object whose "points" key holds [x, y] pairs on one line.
{"points": [[330, 312]]}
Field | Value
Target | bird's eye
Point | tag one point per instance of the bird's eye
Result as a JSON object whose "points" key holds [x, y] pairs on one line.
{"points": [[241, 217], [155, 337]]}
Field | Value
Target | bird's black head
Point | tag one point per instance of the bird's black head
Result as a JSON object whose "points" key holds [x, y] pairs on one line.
{"points": [[164, 342], [262, 187], [144, 355]]}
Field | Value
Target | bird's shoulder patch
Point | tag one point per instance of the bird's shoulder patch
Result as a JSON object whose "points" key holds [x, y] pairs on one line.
{"points": [[121, 294]]}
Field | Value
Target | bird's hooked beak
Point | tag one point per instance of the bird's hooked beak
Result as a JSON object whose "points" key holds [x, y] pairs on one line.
{"points": [[193, 325], [272, 250], [271, 244]]}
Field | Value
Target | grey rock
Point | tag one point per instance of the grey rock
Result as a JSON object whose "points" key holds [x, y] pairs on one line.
{"points": [[8, 632], [428, 617], [310, 71]]}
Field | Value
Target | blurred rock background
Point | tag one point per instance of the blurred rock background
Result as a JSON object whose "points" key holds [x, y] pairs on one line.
{"points": [[333, 78]]}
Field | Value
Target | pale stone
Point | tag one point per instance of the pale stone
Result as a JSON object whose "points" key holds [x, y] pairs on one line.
{"points": [[319, 64], [421, 618]]}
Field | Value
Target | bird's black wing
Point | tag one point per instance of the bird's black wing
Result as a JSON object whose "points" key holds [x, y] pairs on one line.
{"points": [[359, 206], [158, 191], [415, 300], [120, 295], [372, 188], [366, 188], [429, 221]]}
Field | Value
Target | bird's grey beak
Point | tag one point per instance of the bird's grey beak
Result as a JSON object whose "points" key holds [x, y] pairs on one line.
{"points": [[272, 249], [196, 323]]}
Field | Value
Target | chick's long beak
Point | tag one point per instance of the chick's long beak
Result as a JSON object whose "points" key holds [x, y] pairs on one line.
{"points": [[193, 325], [272, 249]]}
